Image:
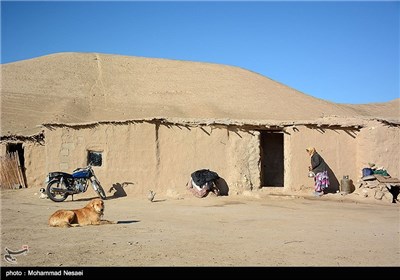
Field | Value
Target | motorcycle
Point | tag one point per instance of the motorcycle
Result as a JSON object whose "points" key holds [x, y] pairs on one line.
{"points": [[60, 184]]}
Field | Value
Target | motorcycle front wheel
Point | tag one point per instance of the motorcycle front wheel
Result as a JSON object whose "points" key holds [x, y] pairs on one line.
{"points": [[56, 191], [99, 189]]}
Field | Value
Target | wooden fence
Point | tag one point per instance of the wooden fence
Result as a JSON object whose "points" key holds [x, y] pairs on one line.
{"points": [[11, 175]]}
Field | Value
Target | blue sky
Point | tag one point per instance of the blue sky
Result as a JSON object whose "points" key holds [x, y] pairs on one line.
{"points": [[344, 52]]}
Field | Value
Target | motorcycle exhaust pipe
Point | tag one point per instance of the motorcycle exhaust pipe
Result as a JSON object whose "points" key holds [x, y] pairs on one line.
{"points": [[63, 190]]}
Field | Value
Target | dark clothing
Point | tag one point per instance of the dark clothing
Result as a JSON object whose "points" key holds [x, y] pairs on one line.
{"points": [[200, 177], [318, 163]]}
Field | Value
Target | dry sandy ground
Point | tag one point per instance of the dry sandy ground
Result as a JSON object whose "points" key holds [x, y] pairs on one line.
{"points": [[238, 230]]}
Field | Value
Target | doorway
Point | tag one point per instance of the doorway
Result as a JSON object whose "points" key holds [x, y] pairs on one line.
{"points": [[15, 166], [272, 167], [17, 148]]}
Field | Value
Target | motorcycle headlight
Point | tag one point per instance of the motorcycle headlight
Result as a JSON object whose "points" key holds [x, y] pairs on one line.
{"points": [[47, 179]]}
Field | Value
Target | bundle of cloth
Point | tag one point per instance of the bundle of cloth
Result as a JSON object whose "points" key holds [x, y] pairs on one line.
{"points": [[202, 182]]}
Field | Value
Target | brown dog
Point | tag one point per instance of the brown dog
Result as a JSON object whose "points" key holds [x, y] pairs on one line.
{"points": [[89, 215]]}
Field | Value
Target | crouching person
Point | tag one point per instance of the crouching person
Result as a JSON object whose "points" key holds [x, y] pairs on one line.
{"points": [[202, 182]]}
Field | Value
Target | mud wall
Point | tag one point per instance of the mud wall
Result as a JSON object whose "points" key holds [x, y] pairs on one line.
{"points": [[158, 157], [380, 144], [233, 154], [3, 149], [346, 151], [337, 146], [35, 162], [128, 156]]}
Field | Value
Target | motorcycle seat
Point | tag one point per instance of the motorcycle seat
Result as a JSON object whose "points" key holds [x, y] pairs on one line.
{"points": [[59, 174]]}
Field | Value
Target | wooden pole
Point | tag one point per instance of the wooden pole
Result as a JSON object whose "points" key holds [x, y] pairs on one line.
{"points": [[13, 167], [19, 171]]}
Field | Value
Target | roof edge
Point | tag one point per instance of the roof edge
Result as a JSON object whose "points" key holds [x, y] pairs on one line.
{"points": [[264, 124]]}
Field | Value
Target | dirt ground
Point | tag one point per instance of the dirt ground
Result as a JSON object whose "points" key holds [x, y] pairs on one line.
{"points": [[238, 230]]}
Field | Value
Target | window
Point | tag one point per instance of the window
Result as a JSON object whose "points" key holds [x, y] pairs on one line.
{"points": [[95, 158]]}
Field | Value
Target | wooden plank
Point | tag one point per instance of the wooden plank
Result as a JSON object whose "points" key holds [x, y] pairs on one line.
{"points": [[386, 179], [19, 171], [9, 171], [14, 168]]}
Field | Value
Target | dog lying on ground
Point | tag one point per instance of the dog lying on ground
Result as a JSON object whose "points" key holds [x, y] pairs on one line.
{"points": [[89, 215]]}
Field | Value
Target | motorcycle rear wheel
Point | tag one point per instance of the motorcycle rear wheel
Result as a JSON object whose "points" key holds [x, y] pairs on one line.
{"points": [[56, 191], [99, 189]]}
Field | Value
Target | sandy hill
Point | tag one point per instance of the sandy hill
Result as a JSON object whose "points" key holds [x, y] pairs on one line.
{"points": [[84, 87]]}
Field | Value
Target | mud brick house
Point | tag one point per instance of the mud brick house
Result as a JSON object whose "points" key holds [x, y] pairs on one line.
{"points": [[152, 122]]}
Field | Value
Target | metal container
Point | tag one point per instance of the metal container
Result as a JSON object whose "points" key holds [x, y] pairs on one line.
{"points": [[346, 185]]}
